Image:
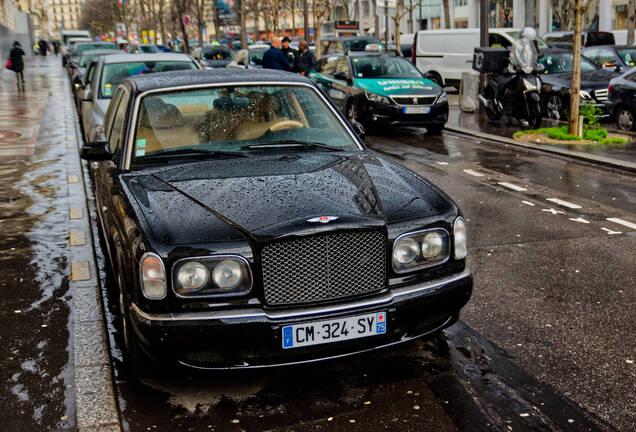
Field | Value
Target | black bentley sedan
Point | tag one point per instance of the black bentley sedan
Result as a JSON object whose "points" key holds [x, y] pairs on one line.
{"points": [[248, 226], [557, 81]]}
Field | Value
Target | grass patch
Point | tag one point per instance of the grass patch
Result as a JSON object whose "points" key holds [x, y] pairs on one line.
{"points": [[560, 133]]}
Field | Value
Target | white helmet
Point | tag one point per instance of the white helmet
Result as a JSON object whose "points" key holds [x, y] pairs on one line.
{"points": [[529, 33]]}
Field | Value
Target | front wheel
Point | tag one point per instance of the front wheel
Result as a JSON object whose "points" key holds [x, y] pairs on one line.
{"points": [[554, 107], [535, 115], [352, 113]]}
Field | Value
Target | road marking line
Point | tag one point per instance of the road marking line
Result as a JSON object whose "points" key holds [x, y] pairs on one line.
{"points": [[77, 238], [610, 232], [553, 211], [564, 203], [80, 271], [441, 163], [512, 186], [580, 219], [75, 213], [473, 173], [72, 178], [623, 222], [528, 203]]}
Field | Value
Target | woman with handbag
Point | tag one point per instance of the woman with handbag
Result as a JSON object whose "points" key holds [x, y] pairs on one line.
{"points": [[16, 64]]}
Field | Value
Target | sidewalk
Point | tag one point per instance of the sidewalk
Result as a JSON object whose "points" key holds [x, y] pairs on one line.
{"points": [[477, 125]]}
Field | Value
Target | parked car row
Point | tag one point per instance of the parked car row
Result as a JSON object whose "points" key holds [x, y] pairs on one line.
{"points": [[247, 225]]}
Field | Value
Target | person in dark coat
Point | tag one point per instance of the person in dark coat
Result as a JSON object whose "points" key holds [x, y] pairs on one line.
{"points": [[17, 64], [289, 51], [43, 48], [274, 58], [305, 60]]}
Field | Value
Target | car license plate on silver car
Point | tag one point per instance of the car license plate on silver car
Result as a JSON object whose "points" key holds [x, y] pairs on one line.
{"points": [[417, 110], [334, 330]]}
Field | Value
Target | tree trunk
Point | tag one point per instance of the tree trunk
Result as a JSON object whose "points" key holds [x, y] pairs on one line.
{"points": [[631, 16], [293, 14], [317, 39], [200, 5], [573, 124], [243, 26], [446, 15]]}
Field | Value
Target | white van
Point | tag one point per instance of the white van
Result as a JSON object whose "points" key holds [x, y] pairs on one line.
{"points": [[443, 55]]}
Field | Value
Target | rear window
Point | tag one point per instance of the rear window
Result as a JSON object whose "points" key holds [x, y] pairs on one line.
{"points": [[628, 56], [79, 49], [599, 38], [216, 54], [115, 73], [149, 49], [361, 44]]}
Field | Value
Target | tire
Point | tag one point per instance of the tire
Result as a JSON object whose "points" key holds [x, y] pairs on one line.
{"points": [[434, 76], [434, 129], [554, 107], [535, 116], [625, 119]]}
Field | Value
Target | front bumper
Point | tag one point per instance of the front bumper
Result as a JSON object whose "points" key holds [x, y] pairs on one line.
{"points": [[393, 115], [252, 338]]}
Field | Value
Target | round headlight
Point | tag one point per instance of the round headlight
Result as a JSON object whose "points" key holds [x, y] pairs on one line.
{"points": [[227, 274], [406, 251], [153, 276], [432, 245], [192, 276], [461, 238]]}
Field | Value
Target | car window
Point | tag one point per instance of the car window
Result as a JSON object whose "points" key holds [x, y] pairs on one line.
{"points": [[118, 121], [361, 44], [149, 49], [229, 118], [329, 68], [114, 73], [498, 41], [628, 56], [216, 54], [256, 57], [110, 113], [342, 65], [562, 62], [606, 57], [89, 73]]}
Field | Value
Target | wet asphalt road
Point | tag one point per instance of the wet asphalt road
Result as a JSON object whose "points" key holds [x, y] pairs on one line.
{"points": [[36, 375], [543, 345]]}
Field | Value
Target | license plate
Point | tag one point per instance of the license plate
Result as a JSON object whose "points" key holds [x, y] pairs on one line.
{"points": [[417, 110], [334, 330]]}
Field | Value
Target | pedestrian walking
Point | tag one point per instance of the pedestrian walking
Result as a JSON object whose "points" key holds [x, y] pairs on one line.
{"points": [[305, 59], [43, 48], [289, 51], [274, 58], [56, 48], [16, 63]]}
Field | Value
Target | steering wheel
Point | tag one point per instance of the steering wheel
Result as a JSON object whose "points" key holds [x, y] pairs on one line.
{"points": [[285, 124]]}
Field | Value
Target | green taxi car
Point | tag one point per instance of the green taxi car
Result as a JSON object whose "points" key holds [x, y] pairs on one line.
{"points": [[379, 89]]}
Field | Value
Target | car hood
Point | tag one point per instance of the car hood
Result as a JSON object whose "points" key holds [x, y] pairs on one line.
{"points": [[275, 195], [397, 87], [598, 78]]}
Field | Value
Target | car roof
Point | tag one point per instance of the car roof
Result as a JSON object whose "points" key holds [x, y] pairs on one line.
{"points": [[143, 83], [100, 51], [125, 58]]}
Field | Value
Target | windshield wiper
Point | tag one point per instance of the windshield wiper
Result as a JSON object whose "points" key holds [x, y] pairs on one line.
{"points": [[193, 152], [291, 143]]}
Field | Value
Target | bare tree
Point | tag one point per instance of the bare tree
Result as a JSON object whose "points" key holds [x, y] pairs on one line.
{"points": [[180, 9], [199, 8], [446, 14], [563, 11], [631, 18], [400, 11], [573, 123]]}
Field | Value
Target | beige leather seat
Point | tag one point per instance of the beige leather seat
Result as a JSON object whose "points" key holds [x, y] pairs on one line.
{"points": [[163, 127], [264, 107]]}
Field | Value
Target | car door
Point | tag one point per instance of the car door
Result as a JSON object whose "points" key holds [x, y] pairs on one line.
{"points": [[89, 97], [326, 68], [341, 83]]}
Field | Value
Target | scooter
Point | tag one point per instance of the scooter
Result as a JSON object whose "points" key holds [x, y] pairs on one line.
{"points": [[522, 78]]}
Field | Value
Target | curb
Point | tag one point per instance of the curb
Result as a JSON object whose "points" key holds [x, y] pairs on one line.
{"points": [[586, 157], [95, 403]]}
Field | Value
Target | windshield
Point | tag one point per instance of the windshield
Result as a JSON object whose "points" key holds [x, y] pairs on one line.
{"points": [[216, 54], [526, 54], [233, 118], [558, 63], [115, 73], [628, 56], [149, 49], [360, 44], [383, 67], [540, 42]]}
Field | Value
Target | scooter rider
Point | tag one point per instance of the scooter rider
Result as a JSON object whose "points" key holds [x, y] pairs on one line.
{"points": [[510, 81]]}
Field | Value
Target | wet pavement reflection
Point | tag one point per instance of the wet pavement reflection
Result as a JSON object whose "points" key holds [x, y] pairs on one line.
{"points": [[36, 373]]}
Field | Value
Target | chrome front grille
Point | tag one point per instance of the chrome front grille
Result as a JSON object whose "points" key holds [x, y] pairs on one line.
{"points": [[600, 95], [414, 100], [324, 267]]}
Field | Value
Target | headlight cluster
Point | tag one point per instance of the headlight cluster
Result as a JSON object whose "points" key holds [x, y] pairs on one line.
{"points": [[442, 98], [420, 249], [153, 276], [214, 275], [373, 97], [585, 95]]}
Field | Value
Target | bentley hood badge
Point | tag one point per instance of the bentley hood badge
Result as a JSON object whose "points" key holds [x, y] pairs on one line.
{"points": [[323, 219]]}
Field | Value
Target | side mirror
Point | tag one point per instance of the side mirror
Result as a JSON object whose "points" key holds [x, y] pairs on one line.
{"points": [[358, 129], [88, 96], [341, 76], [78, 83], [95, 151]]}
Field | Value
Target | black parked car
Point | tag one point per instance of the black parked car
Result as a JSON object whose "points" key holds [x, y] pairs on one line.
{"points": [[247, 225], [621, 103], [565, 39], [213, 56], [557, 81], [618, 58]]}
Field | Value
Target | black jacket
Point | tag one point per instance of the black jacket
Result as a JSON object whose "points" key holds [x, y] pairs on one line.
{"points": [[291, 54], [305, 61], [276, 59], [15, 55]]}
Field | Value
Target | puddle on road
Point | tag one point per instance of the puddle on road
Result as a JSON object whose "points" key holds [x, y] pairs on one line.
{"points": [[35, 357]]}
